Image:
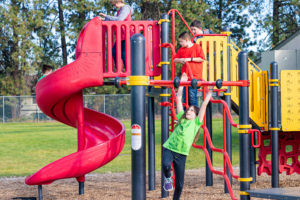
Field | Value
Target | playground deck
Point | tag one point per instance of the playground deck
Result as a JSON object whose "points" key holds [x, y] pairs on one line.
{"points": [[292, 193]]}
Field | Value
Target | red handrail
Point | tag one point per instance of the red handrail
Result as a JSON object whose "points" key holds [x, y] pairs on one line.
{"points": [[173, 53], [252, 131], [225, 106], [174, 11]]}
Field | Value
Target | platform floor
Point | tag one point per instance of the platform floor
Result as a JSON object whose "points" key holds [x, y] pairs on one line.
{"points": [[292, 193]]}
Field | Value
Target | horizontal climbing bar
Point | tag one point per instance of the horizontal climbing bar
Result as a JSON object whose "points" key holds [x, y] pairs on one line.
{"points": [[170, 83]]}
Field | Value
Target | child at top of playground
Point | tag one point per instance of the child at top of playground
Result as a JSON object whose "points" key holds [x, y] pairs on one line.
{"points": [[46, 70], [123, 14], [193, 54], [196, 28], [178, 145]]}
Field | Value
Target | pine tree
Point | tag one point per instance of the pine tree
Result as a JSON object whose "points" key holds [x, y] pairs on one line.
{"points": [[62, 32], [285, 19], [237, 16]]}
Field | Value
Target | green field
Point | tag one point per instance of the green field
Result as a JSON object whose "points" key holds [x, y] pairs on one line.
{"points": [[27, 147]]}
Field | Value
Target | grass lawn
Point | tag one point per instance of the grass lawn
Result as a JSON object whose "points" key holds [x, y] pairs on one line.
{"points": [[27, 147]]}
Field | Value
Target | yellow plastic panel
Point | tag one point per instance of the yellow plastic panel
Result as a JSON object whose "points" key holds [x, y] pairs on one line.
{"points": [[204, 72], [224, 46], [258, 98], [211, 61], [234, 75], [265, 99], [290, 100], [218, 60]]}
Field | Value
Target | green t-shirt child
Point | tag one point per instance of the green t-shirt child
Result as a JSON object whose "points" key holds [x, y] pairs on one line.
{"points": [[183, 135]]}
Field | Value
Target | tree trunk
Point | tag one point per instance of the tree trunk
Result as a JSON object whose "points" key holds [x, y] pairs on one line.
{"points": [[150, 10], [220, 10], [62, 33], [276, 23]]}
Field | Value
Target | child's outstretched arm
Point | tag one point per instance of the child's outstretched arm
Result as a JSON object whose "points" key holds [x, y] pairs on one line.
{"points": [[184, 60], [179, 93], [204, 104]]}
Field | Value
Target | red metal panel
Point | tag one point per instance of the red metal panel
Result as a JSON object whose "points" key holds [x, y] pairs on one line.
{"points": [[151, 32]]}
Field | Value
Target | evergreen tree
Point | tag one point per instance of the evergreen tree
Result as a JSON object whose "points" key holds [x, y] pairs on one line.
{"points": [[285, 19], [279, 19], [62, 32], [78, 13], [236, 15], [17, 47]]}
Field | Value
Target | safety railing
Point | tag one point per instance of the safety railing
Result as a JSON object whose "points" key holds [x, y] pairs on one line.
{"points": [[258, 90], [112, 35], [215, 51]]}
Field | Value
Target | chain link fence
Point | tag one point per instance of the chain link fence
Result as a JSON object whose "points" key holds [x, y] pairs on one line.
{"points": [[25, 108]]}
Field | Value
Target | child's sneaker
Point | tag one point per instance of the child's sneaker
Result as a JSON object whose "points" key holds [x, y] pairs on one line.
{"points": [[168, 186]]}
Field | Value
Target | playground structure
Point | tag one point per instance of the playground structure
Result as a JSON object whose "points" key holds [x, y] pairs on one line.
{"points": [[101, 137]]}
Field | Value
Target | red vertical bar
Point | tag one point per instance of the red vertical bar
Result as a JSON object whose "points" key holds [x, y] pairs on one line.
{"points": [[128, 50], [204, 120], [173, 28], [109, 49], [119, 63], [173, 42], [224, 138], [156, 48], [147, 49], [80, 128], [103, 41]]}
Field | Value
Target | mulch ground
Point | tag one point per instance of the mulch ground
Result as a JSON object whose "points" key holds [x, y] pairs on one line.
{"points": [[116, 186]]}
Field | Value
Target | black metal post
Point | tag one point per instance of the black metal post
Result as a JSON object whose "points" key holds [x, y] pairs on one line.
{"points": [[243, 135], [164, 90], [274, 125], [228, 101], [151, 143], [40, 192], [81, 188], [208, 172], [138, 139]]}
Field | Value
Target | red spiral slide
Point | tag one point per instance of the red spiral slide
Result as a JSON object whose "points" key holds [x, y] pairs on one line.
{"points": [[59, 95]]}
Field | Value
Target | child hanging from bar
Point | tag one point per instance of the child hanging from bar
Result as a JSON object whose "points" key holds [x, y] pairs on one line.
{"points": [[193, 54], [178, 145]]}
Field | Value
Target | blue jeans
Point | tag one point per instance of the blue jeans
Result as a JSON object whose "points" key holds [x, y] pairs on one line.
{"points": [[178, 161], [193, 100], [123, 53]]}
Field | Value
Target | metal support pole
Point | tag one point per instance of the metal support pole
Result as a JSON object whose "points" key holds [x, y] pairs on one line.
{"points": [[81, 188], [40, 192], [104, 105], [138, 139], [274, 124], [164, 90], [3, 110], [38, 113], [151, 143], [228, 101], [208, 172], [244, 120]]}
